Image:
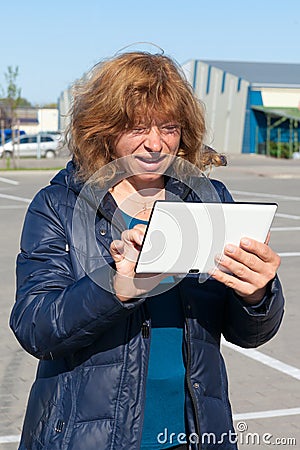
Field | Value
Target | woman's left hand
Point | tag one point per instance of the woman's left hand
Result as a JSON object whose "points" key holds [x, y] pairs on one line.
{"points": [[251, 267]]}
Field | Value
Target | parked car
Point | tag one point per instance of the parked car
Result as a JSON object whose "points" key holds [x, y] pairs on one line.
{"points": [[34, 146]]}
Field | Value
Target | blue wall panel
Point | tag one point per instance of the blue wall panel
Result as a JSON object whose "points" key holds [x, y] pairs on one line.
{"points": [[254, 98]]}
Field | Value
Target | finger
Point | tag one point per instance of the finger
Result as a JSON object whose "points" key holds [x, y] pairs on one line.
{"points": [[268, 238], [244, 288], [228, 279], [141, 229], [232, 253], [117, 250], [264, 266], [256, 280], [233, 267], [134, 236], [132, 244], [140, 226], [263, 251]]}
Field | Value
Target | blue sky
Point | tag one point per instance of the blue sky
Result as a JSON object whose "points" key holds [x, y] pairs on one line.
{"points": [[56, 41]]}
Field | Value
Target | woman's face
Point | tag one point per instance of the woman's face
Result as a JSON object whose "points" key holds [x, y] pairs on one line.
{"points": [[149, 148]]}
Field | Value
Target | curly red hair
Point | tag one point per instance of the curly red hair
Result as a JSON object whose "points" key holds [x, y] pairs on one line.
{"points": [[122, 91]]}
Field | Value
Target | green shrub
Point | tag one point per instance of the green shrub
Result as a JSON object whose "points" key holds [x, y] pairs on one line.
{"points": [[280, 150]]}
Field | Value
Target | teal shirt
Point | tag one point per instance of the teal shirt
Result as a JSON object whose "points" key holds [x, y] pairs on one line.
{"points": [[164, 407]]}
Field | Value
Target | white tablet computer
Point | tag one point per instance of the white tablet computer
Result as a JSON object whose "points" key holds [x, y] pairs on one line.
{"points": [[185, 237]]}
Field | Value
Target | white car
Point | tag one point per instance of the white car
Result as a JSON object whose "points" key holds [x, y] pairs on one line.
{"points": [[34, 146]]}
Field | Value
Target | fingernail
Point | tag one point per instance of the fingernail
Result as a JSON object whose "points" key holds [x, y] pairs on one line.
{"points": [[230, 248], [245, 242]]}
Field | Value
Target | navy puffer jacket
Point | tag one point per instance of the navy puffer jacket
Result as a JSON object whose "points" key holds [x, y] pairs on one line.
{"points": [[90, 386]]}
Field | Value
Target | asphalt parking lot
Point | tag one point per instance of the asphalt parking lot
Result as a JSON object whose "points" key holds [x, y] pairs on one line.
{"points": [[264, 383]]}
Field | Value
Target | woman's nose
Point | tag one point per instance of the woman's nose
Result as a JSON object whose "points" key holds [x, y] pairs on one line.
{"points": [[153, 141]]}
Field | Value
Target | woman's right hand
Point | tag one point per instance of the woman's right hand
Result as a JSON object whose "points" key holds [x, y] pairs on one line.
{"points": [[128, 284]]}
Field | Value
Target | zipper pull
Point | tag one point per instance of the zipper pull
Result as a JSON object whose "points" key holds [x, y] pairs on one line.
{"points": [[59, 426], [145, 330]]}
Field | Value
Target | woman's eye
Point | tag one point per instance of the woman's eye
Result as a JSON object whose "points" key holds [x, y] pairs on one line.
{"points": [[170, 128], [139, 130]]}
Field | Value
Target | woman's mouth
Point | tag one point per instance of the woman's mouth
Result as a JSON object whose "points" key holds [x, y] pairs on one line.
{"points": [[151, 159], [150, 163]]}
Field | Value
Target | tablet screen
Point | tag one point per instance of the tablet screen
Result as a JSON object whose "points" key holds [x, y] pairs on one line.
{"points": [[183, 237]]}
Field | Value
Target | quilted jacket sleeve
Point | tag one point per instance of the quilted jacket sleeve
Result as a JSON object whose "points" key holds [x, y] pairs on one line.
{"points": [[251, 326], [55, 314]]}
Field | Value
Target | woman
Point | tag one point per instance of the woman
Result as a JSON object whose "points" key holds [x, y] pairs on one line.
{"points": [[85, 314]]}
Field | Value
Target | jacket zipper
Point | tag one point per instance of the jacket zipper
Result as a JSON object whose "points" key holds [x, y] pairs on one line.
{"points": [[188, 380], [145, 335], [145, 330]]}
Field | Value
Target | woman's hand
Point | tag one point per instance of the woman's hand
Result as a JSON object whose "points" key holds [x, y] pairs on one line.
{"points": [[125, 251], [128, 284], [251, 267]]}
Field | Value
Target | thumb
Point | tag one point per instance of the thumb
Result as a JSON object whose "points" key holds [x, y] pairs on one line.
{"points": [[117, 250]]}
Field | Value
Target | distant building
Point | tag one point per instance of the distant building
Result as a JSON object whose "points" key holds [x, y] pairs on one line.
{"points": [[251, 107], [31, 120], [35, 120], [64, 104]]}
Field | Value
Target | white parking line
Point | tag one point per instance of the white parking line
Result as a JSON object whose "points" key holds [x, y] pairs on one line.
{"points": [[263, 194], [9, 181], [265, 414], [265, 359], [12, 206], [287, 216], [285, 229], [13, 197], [288, 254], [9, 439]]}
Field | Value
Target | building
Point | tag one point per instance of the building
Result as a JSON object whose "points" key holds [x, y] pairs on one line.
{"points": [[64, 105], [27, 120], [30, 120], [251, 107], [35, 120]]}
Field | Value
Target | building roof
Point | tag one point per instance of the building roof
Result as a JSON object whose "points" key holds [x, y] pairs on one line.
{"points": [[261, 74], [288, 113]]}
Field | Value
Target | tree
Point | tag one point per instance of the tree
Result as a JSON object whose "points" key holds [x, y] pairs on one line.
{"points": [[49, 105], [11, 101], [12, 96], [24, 103]]}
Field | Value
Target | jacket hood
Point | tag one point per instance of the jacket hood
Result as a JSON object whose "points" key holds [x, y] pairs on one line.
{"points": [[67, 178]]}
